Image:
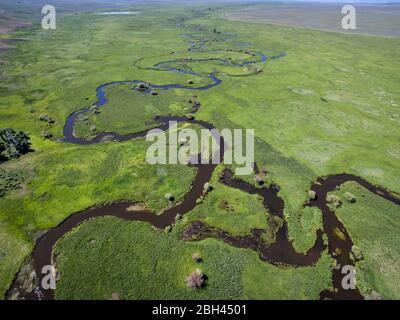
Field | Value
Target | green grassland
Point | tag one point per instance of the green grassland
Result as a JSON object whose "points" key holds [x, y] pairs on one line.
{"points": [[69, 179], [373, 224], [299, 136], [330, 106], [139, 107], [156, 266], [213, 59], [232, 210]]}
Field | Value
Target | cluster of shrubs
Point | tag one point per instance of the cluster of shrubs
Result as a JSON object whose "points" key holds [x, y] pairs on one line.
{"points": [[10, 180], [194, 101], [143, 86], [46, 118], [225, 205], [85, 119], [46, 135], [334, 202], [95, 110], [206, 189], [50, 121], [357, 253], [350, 197], [200, 200], [197, 278], [13, 144]]}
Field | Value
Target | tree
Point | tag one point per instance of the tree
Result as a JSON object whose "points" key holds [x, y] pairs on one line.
{"points": [[312, 195], [350, 197], [196, 257], [13, 144], [208, 187], [170, 197], [195, 280]]}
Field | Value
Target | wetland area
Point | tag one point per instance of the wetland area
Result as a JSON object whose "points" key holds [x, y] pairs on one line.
{"points": [[321, 196]]}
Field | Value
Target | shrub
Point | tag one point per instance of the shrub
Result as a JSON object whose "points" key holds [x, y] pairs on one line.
{"points": [[196, 257], [46, 118], [350, 197], [208, 187], [170, 197], [357, 253], [312, 195], [143, 86], [195, 280], [94, 109], [46, 135], [13, 144], [259, 179], [10, 180], [334, 201]]}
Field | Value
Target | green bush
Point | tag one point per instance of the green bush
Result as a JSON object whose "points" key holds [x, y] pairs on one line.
{"points": [[334, 201], [10, 180], [13, 144], [350, 197], [312, 195]]}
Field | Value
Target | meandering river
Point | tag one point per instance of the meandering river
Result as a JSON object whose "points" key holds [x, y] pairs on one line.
{"points": [[280, 252]]}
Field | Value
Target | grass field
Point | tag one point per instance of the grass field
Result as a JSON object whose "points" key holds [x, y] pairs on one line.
{"points": [[156, 267], [80, 178], [331, 105], [373, 224], [140, 108]]}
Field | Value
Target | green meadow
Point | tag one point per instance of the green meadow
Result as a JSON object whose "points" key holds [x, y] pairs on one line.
{"points": [[156, 266], [331, 105], [124, 103], [373, 225]]}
